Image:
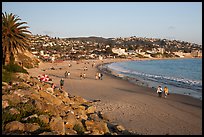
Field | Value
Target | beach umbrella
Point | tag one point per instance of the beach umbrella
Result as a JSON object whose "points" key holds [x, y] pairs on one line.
{"points": [[44, 78]]}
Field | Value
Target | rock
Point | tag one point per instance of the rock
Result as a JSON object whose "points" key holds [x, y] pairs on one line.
{"points": [[120, 128], [64, 94], [42, 106], [19, 93], [50, 98], [5, 104], [14, 126], [57, 125], [79, 99], [31, 127], [50, 90], [48, 133], [71, 115], [94, 117], [14, 111], [81, 107], [32, 116], [70, 132], [96, 132], [79, 127], [70, 120], [4, 84], [65, 108], [23, 76], [23, 85], [97, 126], [90, 109], [104, 116], [44, 118], [11, 99], [24, 100], [81, 113], [74, 106], [66, 100]]}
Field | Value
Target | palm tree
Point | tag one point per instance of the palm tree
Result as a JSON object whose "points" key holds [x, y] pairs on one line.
{"points": [[15, 37]]}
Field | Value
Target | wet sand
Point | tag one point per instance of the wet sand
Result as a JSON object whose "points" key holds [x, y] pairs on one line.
{"points": [[137, 108]]}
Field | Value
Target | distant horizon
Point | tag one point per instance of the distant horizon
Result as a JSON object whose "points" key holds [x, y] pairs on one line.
{"points": [[181, 21]]}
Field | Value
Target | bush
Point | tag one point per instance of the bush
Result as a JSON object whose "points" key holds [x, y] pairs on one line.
{"points": [[6, 76], [15, 68]]}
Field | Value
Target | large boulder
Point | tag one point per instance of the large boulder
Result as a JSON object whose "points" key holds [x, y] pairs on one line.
{"points": [[70, 132], [70, 120], [31, 127], [90, 109], [50, 98], [15, 126], [44, 118], [57, 125], [10, 98], [99, 127], [44, 107]]}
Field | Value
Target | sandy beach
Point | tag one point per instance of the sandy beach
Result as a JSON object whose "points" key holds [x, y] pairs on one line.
{"points": [[137, 108]]}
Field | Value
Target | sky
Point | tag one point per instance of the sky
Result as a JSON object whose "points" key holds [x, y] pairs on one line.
{"points": [[165, 20]]}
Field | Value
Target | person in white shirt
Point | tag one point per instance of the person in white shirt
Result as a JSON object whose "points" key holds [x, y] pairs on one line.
{"points": [[159, 91]]}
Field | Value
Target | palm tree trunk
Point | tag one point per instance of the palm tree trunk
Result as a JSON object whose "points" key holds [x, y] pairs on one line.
{"points": [[7, 58]]}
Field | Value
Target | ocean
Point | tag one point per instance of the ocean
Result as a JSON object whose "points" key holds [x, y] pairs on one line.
{"points": [[181, 76]]}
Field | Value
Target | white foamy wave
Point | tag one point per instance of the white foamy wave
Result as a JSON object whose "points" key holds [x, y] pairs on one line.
{"points": [[176, 81]]}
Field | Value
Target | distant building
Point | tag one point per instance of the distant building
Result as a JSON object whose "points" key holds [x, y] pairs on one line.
{"points": [[119, 51]]}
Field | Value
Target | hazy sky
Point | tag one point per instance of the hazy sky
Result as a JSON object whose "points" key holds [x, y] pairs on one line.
{"points": [[170, 20]]}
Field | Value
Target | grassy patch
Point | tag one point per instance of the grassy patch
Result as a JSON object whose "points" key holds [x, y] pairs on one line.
{"points": [[6, 76], [14, 68]]}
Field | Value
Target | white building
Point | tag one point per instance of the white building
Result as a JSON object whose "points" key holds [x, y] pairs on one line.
{"points": [[119, 51], [42, 52]]}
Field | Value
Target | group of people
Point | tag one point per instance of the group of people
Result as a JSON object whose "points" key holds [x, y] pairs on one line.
{"points": [[67, 74], [82, 75], [99, 76], [85, 68], [160, 91]]}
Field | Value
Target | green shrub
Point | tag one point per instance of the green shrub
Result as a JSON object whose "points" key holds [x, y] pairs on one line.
{"points": [[6, 76], [7, 117], [15, 68]]}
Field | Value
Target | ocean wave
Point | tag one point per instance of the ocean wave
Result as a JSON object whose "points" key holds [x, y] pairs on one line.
{"points": [[175, 81]]}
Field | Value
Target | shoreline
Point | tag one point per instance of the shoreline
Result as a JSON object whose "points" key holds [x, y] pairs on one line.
{"points": [[137, 108], [136, 81]]}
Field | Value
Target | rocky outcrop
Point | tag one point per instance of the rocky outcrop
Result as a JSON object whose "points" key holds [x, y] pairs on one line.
{"points": [[31, 107]]}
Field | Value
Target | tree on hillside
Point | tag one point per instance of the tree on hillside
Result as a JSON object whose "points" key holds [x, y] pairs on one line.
{"points": [[15, 37]]}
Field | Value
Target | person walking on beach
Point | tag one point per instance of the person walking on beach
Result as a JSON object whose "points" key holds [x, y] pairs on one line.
{"points": [[68, 74], [93, 64], [101, 76], [166, 91], [84, 75], [96, 76], [81, 76], [159, 91], [65, 74], [61, 83]]}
